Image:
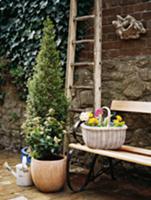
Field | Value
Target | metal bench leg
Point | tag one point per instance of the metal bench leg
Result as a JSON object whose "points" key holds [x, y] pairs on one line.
{"points": [[111, 168], [87, 176]]}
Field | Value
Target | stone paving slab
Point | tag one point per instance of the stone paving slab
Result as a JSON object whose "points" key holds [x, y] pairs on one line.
{"points": [[105, 189]]}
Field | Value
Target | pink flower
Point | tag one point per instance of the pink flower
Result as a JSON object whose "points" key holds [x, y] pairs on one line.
{"points": [[98, 112]]}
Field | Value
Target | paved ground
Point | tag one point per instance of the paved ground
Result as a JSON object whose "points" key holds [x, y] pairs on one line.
{"points": [[106, 189]]}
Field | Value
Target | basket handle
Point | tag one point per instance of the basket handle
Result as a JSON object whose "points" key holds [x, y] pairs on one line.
{"points": [[108, 115]]}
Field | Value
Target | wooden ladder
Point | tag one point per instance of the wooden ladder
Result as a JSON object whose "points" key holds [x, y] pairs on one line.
{"points": [[72, 42]]}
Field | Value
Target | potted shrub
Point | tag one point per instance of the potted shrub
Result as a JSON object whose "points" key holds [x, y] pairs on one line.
{"points": [[100, 132], [45, 116], [44, 137]]}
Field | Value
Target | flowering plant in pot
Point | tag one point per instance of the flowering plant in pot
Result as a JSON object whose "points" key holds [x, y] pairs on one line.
{"points": [[100, 132], [46, 113], [44, 136]]}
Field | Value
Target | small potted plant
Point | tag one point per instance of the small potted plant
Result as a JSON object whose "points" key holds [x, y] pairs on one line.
{"points": [[100, 132], [44, 136]]}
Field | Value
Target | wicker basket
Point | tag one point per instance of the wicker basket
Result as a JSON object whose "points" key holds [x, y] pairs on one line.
{"points": [[104, 137]]}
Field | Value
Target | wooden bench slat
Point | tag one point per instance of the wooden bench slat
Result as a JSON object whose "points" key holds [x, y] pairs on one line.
{"points": [[131, 106], [138, 150], [117, 154]]}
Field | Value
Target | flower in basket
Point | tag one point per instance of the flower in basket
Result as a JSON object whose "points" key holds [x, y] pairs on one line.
{"points": [[44, 136], [99, 131], [98, 119]]}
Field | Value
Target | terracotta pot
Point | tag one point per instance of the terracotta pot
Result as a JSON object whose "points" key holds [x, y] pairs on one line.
{"points": [[49, 176]]}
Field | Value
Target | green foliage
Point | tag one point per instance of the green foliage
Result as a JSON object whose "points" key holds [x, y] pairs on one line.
{"points": [[45, 87], [3, 73], [44, 136], [17, 74], [46, 102], [21, 31]]}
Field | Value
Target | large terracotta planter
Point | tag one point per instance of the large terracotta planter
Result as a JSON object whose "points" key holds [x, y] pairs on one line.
{"points": [[49, 176]]}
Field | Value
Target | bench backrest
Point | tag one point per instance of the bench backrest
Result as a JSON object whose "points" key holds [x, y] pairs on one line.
{"points": [[131, 106]]}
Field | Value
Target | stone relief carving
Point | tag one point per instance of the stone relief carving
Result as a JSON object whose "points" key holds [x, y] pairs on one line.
{"points": [[128, 27]]}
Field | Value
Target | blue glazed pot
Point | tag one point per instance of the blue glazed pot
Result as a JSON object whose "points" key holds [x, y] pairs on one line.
{"points": [[25, 153]]}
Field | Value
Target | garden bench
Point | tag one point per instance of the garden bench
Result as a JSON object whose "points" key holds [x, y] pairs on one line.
{"points": [[126, 153]]}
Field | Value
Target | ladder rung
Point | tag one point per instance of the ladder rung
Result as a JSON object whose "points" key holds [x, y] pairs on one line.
{"points": [[83, 41], [79, 110], [82, 18], [82, 87], [82, 64]]}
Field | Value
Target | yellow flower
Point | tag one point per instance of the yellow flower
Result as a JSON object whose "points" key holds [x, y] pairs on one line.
{"points": [[93, 121], [119, 118], [116, 122], [121, 123], [90, 114]]}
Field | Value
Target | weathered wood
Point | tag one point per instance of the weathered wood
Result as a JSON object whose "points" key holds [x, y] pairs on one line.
{"points": [[88, 87], [82, 18], [70, 59], [82, 64], [137, 150], [71, 48], [117, 154], [83, 41], [71, 63], [97, 54], [131, 106]]}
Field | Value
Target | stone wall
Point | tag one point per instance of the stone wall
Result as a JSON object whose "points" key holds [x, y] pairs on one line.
{"points": [[126, 70], [130, 79], [122, 79], [126, 74], [11, 117]]}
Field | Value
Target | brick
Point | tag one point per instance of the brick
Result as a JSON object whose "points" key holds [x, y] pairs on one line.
{"points": [[142, 7], [148, 24], [112, 37], [128, 9], [147, 51], [105, 20], [110, 19], [130, 52], [129, 2], [105, 54], [140, 44], [114, 53], [147, 15], [111, 45], [104, 37], [111, 11], [127, 44], [148, 34], [108, 28], [138, 16]]}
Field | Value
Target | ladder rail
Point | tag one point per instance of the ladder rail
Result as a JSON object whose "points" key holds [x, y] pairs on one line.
{"points": [[71, 63], [98, 54], [97, 50], [71, 48]]}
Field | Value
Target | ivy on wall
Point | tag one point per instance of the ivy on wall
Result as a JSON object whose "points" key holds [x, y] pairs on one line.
{"points": [[21, 25]]}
